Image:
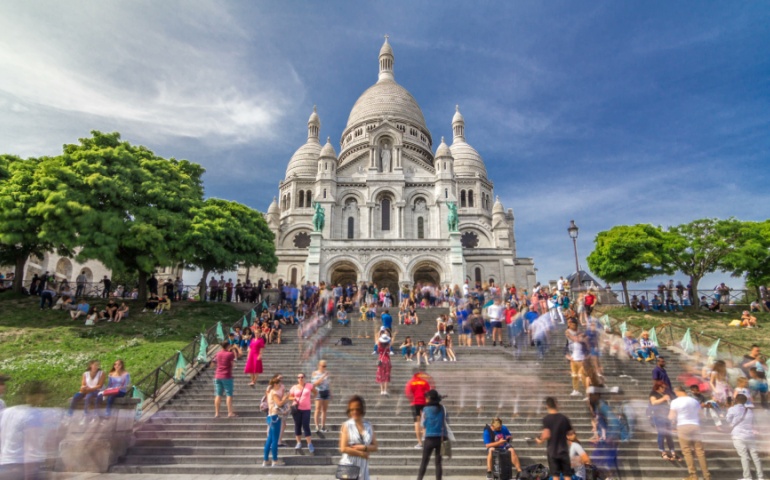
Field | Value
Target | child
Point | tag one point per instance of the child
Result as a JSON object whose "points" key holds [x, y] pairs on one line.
{"points": [[233, 345], [407, 349], [742, 388], [422, 352], [578, 456], [449, 350]]}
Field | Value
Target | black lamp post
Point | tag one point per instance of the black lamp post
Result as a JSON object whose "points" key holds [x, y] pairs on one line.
{"points": [[573, 234]]}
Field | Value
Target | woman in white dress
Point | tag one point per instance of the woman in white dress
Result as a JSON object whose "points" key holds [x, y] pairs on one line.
{"points": [[357, 439]]}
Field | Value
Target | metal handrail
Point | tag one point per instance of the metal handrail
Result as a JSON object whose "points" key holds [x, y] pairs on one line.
{"points": [[736, 297], [165, 371], [696, 337]]}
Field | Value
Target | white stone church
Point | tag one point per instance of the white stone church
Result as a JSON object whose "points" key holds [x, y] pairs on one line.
{"points": [[385, 200]]}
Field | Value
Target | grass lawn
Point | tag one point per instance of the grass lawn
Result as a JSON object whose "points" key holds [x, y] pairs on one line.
{"points": [[47, 345], [701, 322]]}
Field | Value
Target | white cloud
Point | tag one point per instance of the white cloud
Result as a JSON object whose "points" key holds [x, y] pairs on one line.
{"points": [[155, 70]]}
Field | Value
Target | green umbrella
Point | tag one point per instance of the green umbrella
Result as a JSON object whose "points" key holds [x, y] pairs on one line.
{"points": [[203, 356], [605, 320], [686, 343], [623, 328], [654, 336], [136, 393], [181, 366], [713, 349], [245, 323], [220, 332]]}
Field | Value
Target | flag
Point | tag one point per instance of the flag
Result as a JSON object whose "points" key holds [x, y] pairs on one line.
{"points": [[686, 343], [245, 323], [623, 329], [220, 332], [203, 350], [713, 349], [181, 366], [252, 316], [605, 320]]}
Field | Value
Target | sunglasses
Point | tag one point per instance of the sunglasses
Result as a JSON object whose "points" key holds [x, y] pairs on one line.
{"points": [[300, 376], [358, 409]]}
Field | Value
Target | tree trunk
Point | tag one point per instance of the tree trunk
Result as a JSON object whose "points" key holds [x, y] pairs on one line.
{"points": [[625, 293], [695, 299], [142, 287], [202, 286], [18, 273]]}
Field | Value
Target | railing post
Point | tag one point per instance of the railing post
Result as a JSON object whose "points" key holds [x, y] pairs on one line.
{"points": [[155, 388]]}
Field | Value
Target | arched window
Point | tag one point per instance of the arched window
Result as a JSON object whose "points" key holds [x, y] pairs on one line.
{"points": [[470, 198], [301, 199], [385, 207], [324, 193], [351, 226], [294, 276], [462, 199], [420, 227], [308, 199], [446, 193], [477, 275]]}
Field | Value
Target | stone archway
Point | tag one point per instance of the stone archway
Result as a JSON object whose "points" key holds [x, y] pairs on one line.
{"points": [[427, 273], [386, 274], [343, 273]]}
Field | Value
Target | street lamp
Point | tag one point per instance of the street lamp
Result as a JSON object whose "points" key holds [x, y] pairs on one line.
{"points": [[573, 234]]}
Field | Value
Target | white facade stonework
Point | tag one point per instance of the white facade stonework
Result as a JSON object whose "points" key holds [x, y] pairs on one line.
{"points": [[385, 199]]}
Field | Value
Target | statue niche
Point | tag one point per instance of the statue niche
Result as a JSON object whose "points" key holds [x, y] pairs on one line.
{"points": [[385, 157]]}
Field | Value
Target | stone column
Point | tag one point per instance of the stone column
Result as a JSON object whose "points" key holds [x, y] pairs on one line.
{"points": [[313, 262], [456, 259]]}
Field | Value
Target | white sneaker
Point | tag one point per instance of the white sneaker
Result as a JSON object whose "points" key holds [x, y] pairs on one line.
{"points": [[264, 463], [418, 446], [278, 463], [298, 446], [575, 393]]}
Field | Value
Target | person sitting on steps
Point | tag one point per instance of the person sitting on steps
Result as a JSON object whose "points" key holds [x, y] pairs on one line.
{"points": [[497, 438]]}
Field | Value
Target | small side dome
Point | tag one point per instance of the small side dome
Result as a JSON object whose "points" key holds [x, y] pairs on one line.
{"points": [[273, 208], [386, 48], [328, 150], [443, 150], [314, 118], [458, 117], [498, 209]]}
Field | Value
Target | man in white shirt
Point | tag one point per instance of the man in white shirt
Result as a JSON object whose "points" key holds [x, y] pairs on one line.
{"points": [[495, 314], [741, 418], [560, 284], [466, 289], [685, 412]]}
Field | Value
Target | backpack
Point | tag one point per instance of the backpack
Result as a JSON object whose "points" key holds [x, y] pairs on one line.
{"points": [[477, 322], [263, 406], [537, 471], [344, 341]]}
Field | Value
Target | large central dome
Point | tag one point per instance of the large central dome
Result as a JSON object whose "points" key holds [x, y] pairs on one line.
{"points": [[386, 98]]}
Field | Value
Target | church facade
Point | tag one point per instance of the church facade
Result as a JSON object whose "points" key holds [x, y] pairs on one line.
{"points": [[386, 199]]}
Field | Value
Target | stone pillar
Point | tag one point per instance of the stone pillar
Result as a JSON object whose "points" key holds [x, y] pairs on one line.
{"points": [[456, 259], [313, 262]]}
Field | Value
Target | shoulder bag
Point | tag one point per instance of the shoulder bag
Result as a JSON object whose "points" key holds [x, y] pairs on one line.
{"points": [[448, 438]]}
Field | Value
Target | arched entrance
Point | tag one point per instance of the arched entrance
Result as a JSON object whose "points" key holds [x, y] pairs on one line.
{"points": [[344, 273], [385, 274], [427, 273]]}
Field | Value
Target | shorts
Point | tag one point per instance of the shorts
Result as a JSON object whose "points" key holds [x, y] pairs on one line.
{"points": [[450, 328], [324, 394], [223, 386], [479, 330], [589, 309], [497, 324], [417, 410], [560, 465]]}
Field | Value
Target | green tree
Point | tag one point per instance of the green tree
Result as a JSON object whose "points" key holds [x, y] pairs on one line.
{"points": [[20, 229], [700, 247], [751, 256], [128, 207], [225, 234], [628, 253]]}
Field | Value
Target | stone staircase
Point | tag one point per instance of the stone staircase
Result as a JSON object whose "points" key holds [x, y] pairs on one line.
{"points": [[184, 438]]}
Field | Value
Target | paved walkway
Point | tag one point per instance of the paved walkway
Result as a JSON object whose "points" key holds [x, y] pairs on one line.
{"points": [[272, 474]]}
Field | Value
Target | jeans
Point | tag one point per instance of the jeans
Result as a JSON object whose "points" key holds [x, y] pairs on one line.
{"points": [[663, 427], [301, 422], [746, 449], [408, 351], [429, 445], [89, 398], [79, 291], [46, 297], [645, 352], [273, 432], [433, 349], [689, 440], [110, 400]]}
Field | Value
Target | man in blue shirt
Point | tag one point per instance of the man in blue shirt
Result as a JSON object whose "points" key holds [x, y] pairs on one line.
{"points": [[387, 320], [659, 373], [496, 437]]}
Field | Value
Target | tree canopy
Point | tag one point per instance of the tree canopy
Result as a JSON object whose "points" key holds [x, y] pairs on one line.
{"points": [[118, 203], [750, 258], [628, 253], [224, 234]]}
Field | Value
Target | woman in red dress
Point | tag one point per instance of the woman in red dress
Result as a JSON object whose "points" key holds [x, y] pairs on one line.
{"points": [[254, 359], [383, 364]]}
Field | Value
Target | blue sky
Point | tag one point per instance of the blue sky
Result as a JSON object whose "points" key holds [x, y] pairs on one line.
{"points": [[605, 112]]}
